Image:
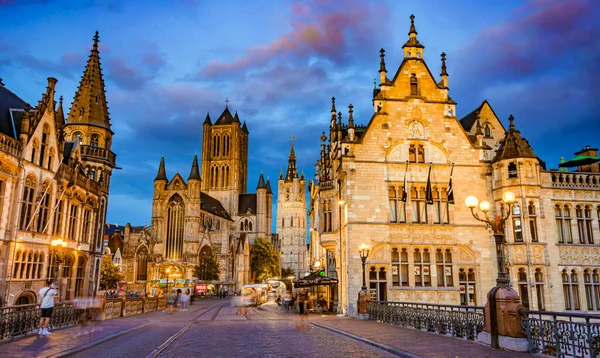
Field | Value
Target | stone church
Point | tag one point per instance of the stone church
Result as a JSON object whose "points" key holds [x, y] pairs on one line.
{"points": [[399, 184], [54, 184], [204, 214], [291, 218]]}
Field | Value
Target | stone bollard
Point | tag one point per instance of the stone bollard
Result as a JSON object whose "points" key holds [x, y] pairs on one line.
{"points": [[98, 306], [363, 304]]}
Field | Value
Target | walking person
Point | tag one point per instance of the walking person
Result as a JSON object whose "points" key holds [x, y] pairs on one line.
{"points": [[302, 299], [47, 294], [185, 300]]}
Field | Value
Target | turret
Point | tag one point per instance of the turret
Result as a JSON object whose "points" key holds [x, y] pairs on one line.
{"points": [[350, 123], [412, 47], [162, 174], [382, 70], [444, 73], [194, 173], [292, 172], [25, 122], [479, 132], [50, 90]]}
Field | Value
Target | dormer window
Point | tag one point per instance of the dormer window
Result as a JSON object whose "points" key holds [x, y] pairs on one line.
{"points": [[414, 89], [512, 170], [487, 131]]}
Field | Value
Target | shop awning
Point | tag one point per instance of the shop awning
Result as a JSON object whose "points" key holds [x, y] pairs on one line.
{"points": [[579, 161], [315, 279]]}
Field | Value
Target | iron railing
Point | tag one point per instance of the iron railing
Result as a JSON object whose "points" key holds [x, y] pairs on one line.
{"points": [[562, 334], [113, 308], [133, 306], [18, 320], [457, 321]]}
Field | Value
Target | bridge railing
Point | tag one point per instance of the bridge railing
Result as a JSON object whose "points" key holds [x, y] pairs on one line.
{"points": [[562, 334], [457, 321], [18, 320]]}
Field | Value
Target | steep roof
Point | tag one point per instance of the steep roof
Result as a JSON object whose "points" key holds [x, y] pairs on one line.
{"points": [[261, 182], [513, 145], [162, 174], [11, 110], [214, 206], [194, 173], [247, 204], [269, 190], [224, 118], [89, 104], [469, 120]]}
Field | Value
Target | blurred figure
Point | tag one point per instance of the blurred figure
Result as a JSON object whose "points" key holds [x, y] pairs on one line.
{"points": [[185, 300]]}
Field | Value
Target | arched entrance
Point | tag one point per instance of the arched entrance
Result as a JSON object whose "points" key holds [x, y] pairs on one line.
{"points": [[25, 298]]}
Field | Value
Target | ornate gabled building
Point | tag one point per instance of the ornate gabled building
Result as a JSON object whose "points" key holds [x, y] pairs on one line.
{"points": [[208, 214], [392, 185], [291, 218], [54, 183]]}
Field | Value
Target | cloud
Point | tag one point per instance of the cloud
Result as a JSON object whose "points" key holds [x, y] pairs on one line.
{"points": [[319, 29]]}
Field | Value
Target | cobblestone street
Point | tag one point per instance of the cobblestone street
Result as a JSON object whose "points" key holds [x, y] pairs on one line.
{"points": [[213, 328]]}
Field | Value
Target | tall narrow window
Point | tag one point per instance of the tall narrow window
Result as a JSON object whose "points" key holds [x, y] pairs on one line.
{"points": [[591, 280], [532, 221], [44, 144], [512, 170], [2, 190], [443, 260], [71, 233], [175, 228], [43, 211], [34, 150], [404, 267], [85, 228], [468, 287], [412, 153], [27, 205], [397, 206], [58, 215], [517, 228], [487, 131], [395, 267], [589, 233], [327, 216], [422, 260], [142, 265], [419, 208], [377, 284], [570, 290], [523, 287], [420, 154], [440, 206], [50, 158], [94, 140], [79, 276], [414, 85], [539, 289]]}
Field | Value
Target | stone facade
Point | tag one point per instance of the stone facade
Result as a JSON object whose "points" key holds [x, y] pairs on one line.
{"points": [[54, 184], [212, 214], [437, 252], [291, 219]]}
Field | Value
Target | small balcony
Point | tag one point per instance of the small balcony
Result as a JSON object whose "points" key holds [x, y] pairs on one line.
{"points": [[576, 180], [95, 153], [9, 145]]}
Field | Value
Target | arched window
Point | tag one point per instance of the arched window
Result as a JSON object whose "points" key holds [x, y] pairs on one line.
{"points": [[487, 131], [512, 170], [34, 148], [517, 223], [591, 280], [75, 135], [226, 144], [571, 290], [377, 284], [532, 221], [416, 153], [419, 208], [205, 262], [27, 205], [440, 205], [94, 140], [539, 289], [79, 276], [563, 224], [142, 264], [443, 260], [175, 228], [468, 286], [72, 224], [523, 287], [422, 260], [43, 211], [50, 158], [68, 264], [397, 198], [414, 85], [584, 224]]}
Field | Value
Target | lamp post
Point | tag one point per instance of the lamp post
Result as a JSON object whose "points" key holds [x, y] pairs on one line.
{"points": [[363, 294], [58, 247], [502, 299], [339, 264]]}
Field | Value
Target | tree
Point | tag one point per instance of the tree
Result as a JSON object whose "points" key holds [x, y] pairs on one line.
{"points": [[264, 259], [208, 269], [286, 272], [110, 275]]}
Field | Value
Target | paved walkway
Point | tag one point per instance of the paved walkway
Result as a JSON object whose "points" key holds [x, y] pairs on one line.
{"points": [[398, 341]]}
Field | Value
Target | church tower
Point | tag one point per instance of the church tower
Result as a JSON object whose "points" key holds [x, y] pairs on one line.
{"points": [[225, 159], [291, 218], [88, 119]]}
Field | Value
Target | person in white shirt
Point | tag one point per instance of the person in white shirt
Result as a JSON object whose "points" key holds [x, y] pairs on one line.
{"points": [[185, 300], [47, 305]]}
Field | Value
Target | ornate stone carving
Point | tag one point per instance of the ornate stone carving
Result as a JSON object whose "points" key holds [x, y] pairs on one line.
{"points": [[416, 130], [582, 255], [538, 254], [436, 155], [378, 254], [397, 154], [520, 254], [465, 256]]}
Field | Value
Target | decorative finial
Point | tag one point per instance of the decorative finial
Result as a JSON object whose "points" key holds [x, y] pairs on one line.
{"points": [[382, 63], [1, 83], [413, 30], [350, 116], [96, 40], [226, 102], [323, 137], [444, 73], [292, 138], [374, 83], [511, 120], [59, 99], [333, 106]]}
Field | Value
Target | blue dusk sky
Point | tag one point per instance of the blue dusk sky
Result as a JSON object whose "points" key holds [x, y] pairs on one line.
{"points": [[167, 63]]}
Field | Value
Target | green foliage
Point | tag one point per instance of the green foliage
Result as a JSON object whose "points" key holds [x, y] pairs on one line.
{"points": [[208, 269], [264, 259], [110, 275], [286, 272]]}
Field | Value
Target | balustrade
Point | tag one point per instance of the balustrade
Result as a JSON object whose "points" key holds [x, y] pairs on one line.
{"points": [[457, 321], [97, 152], [113, 308], [9, 145], [575, 180], [18, 320], [562, 334], [133, 306]]}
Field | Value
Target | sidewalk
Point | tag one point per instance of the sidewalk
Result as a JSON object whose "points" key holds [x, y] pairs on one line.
{"points": [[405, 342]]}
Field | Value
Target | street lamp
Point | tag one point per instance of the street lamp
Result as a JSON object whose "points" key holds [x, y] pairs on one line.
{"points": [[58, 246], [363, 295], [498, 319]]}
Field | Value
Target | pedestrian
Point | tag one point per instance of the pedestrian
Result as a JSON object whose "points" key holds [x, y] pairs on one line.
{"points": [[185, 300], [302, 299], [177, 300], [47, 294]]}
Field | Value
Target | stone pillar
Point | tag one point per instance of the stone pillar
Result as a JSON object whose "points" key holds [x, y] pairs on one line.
{"points": [[506, 323]]}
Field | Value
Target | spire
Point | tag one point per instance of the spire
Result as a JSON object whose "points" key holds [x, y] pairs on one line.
{"points": [[412, 47], [269, 190], [194, 173], [261, 182], [339, 122], [60, 114], [333, 111], [89, 104], [444, 74], [207, 119], [244, 128], [350, 116], [281, 174], [382, 62], [478, 126], [513, 145], [162, 174], [236, 119], [292, 172], [302, 175]]}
